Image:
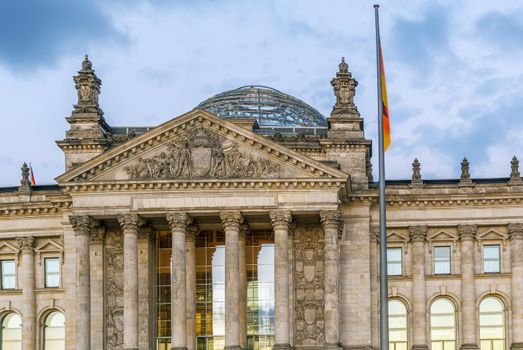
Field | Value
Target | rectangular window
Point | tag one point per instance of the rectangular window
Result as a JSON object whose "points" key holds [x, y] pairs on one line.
{"points": [[8, 271], [394, 262], [52, 272], [442, 260], [491, 261]]}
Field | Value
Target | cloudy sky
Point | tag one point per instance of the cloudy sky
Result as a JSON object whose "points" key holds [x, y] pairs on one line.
{"points": [[454, 71]]}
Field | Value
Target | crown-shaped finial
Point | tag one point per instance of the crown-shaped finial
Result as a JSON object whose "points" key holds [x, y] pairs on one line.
{"points": [[416, 172], [344, 67], [465, 174], [515, 176], [86, 64]]}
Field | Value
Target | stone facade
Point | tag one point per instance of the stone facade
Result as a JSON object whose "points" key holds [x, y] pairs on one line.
{"points": [[315, 194]]}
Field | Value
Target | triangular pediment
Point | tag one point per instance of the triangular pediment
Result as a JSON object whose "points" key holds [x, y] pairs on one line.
{"points": [[199, 146], [395, 237], [6, 248], [492, 234], [442, 236], [49, 246]]}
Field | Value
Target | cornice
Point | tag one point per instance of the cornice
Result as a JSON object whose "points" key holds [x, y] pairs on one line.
{"points": [[35, 209]]}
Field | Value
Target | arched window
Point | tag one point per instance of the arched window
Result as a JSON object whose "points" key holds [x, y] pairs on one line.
{"points": [[11, 332], [397, 325], [54, 331], [492, 324], [443, 325]]}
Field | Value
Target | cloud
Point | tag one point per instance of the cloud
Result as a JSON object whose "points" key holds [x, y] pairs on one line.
{"points": [[35, 33], [501, 30]]}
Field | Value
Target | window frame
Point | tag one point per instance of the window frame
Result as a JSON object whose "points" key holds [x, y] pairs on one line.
{"points": [[393, 344], [487, 246], [59, 273], [44, 326], [395, 262], [449, 248], [504, 325], [3, 319], [454, 327], [2, 261]]}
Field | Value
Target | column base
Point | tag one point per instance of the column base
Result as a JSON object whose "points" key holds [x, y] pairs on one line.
{"points": [[178, 348], [516, 346], [130, 349], [420, 347], [358, 347], [282, 347], [333, 346], [469, 347]]}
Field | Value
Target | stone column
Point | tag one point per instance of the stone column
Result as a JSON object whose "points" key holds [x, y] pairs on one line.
{"points": [[281, 220], [331, 221], [190, 281], [231, 221], [130, 224], [96, 266], [419, 312], [146, 288], [178, 222], [244, 229], [468, 287], [27, 284], [516, 247], [83, 226]]}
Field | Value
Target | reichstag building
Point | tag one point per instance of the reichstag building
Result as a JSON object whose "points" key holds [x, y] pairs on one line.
{"points": [[250, 222]]}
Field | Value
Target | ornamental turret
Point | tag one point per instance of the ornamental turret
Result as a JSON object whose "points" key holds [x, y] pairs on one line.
{"points": [[89, 134]]}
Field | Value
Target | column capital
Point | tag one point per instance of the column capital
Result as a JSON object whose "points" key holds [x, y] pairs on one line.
{"points": [[25, 244], [231, 219], [244, 230], [516, 231], [418, 233], [374, 233], [281, 218], [145, 232], [130, 222], [190, 234], [178, 220], [97, 234], [467, 232], [82, 224], [330, 218]]}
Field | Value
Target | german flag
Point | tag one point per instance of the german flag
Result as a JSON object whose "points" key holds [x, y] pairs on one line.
{"points": [[385, 105], [33, 180]]}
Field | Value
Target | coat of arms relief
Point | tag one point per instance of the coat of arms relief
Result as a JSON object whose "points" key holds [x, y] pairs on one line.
{"points": [[202, 153]]}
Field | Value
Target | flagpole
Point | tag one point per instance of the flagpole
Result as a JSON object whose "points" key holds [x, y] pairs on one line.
{"points": [[384, 297]]}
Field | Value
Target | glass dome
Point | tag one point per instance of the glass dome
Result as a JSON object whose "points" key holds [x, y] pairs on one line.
{"points": [[269, 106]]}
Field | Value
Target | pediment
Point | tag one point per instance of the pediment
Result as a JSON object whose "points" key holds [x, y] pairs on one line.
{"points": [[199, 146], [395, 237], [442, 236], [49, 246], [6, 248], [492, 234]]}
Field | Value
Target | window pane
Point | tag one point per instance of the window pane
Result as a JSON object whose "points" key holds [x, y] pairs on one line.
{"points": [[394, 261], [492, 324], [443, 322], [52, 272], [491, 258], [397, 325], [8, 268], [54, 331], [442, 260], [12, 332]]}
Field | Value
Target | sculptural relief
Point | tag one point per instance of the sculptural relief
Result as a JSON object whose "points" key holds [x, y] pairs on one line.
{"points": [[202, 154], [309, 286], [114, 291]]}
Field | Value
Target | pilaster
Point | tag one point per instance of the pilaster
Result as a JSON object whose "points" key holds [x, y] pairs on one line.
{"points": [[417, 237], [516, 246], [27, 284]]}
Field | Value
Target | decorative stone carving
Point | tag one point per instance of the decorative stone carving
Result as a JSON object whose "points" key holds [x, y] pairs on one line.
{"points": [[82, 224], [190, 234], [97, 235], [344, 89], [515, 176], [25, 183], [178, 220], [465, 174], [231, 219], [515, 231], [87, 87], [467, 231], [202, 153], [114, 264], [416, 173], [130, 222], [418, 233], [374, 234], [309, 287], [25, 244], [281, 217], [145, 232]]}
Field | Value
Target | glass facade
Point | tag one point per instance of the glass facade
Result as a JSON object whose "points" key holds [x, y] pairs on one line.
{"points": [[52, 272], [491, 262], [492, 324], [11, 332], [394, 262], [210, 290], [397, 325], [442, 260], [54, 331], [443, 325]]}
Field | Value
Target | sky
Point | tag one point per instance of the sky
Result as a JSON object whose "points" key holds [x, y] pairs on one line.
{"points": [[454, 72]]}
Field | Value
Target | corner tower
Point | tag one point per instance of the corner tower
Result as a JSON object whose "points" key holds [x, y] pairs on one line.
{"points": [[89, 135]]}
